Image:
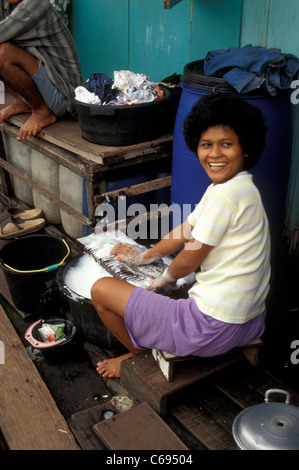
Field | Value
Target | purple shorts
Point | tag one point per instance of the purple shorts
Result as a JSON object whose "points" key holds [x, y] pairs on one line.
{"points": [[155, 321]]}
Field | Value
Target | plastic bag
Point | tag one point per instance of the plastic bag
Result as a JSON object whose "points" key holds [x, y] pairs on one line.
{"points": [[51, 333]]}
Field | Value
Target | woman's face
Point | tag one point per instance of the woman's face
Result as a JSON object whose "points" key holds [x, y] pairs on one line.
{"points": [[220, 153]]}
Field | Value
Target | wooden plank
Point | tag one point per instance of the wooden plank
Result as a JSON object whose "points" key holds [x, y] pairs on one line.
{"points": [[55, 153], [139, 428], [66, 134], [29, 417], [51, 197], [167, 361], [82, 424], [261, 381], [140, 188], [141, 376], [207, 409], [168, 4], [216, 404], [238, 391], [202, 426]]}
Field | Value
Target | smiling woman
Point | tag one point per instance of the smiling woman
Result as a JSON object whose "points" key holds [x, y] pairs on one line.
{"points": [[227, 236], [220, 153], [224, 110]]}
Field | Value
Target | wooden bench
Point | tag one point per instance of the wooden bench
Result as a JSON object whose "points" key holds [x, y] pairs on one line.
{"points": [[143, 378], [167, 361]]}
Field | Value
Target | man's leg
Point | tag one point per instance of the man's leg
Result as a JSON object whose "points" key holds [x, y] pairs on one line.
{"points": [[109, 297], [16, 69]]}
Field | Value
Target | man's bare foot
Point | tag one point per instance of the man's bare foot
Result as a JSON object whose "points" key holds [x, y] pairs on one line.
{"points": [[36, 122], [18, 107], [111, 367]]}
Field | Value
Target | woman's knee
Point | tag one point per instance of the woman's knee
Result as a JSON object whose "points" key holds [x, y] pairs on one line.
{"points": [[98, 289], [111, 293]]}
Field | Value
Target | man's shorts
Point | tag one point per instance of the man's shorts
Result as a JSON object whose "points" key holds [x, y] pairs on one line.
{"points": [[51, 95]]}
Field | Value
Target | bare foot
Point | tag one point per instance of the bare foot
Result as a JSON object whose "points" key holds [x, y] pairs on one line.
{"points": [[17, 107], [111, 367], [36, 122]]}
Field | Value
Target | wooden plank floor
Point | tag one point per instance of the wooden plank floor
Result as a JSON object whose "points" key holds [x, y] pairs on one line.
{"points": [[29, 417], [207, 409], [142, 377], [201, 414]]}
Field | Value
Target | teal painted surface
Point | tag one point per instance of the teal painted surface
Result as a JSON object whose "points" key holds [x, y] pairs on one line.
{"points": [[100, 29], [159, 39], [215, 25], [143, 37], [275, 23]]}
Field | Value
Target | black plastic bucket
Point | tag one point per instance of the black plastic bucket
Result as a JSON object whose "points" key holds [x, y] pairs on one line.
{"points": [[30, 266], [57, 350], [89, 325], [127, 124]]}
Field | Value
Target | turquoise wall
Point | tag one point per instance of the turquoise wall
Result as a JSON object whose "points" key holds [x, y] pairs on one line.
{"points": [[275, 23], [141, 36]]}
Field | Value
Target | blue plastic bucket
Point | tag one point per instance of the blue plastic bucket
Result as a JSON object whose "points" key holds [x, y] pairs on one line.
{"points": [[189, 181]]}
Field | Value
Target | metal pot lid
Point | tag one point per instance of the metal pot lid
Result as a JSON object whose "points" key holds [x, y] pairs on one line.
{"points": [[268, 426]]}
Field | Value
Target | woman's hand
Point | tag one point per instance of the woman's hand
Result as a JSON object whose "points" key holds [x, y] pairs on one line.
{"points": [[131, 254], [128, 253], [165, 279]]}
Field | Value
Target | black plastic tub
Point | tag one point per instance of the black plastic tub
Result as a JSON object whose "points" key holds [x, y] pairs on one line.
{"points": [[128, 124], [89, 325], [57, 351], [30, 264]]}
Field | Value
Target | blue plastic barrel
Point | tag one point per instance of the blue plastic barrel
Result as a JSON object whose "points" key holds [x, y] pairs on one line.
{"points": [[189, 180]]}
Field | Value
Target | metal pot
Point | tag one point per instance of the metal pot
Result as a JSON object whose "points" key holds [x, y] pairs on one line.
{"points": [[268, 426]]}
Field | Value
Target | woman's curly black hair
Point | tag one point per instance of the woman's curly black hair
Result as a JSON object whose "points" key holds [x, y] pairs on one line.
{"points": [[223, 108]]}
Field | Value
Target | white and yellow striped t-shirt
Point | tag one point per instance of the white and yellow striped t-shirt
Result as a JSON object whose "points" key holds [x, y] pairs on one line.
{"points": [[233, 282]]}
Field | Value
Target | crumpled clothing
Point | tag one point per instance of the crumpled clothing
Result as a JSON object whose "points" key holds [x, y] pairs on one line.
{"points": [[101, 85], [127, 88], [85, 96], [134, 87], [252, 67]]}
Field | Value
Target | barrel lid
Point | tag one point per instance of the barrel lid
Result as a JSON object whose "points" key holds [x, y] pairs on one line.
{"points": [[267, 426], [195, 77]]}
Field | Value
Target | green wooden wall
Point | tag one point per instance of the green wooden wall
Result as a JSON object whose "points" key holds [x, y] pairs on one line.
{"points": [[141, 36], [275, 23]]}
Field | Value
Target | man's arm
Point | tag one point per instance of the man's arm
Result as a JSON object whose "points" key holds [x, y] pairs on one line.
{"points": [[22, 21]]}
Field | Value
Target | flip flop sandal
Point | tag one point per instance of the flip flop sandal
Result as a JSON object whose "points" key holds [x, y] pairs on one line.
{"points": [[16, 227], [25, 214]]}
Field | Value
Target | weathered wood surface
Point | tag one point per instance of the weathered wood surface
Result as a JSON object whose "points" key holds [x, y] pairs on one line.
{"points": [[168, 4], [138, 428], [208, 408], [29, 417], [141, 376], [168, 361], [65, 133]]}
